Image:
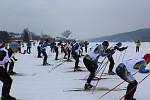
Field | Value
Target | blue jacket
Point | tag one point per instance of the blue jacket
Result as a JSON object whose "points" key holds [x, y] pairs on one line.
{"points": [[75, 48], [142, 68]]}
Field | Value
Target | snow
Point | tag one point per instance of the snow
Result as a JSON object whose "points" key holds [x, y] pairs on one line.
{"points": [[38, 83]]}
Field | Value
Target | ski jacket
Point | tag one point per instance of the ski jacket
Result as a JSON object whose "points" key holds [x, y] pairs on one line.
{"points": [[4, 57], [95, 52], [43, 48], [134, 62], [28, 44], [75, 49], [138, 43], [39, 48]]}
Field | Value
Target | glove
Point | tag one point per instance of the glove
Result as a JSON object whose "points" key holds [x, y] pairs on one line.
{"points": [[15, 59]]}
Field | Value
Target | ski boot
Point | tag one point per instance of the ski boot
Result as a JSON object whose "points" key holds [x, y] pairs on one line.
{"points": [[8, 98], [111, 73], [88, 86], [11, 72]]}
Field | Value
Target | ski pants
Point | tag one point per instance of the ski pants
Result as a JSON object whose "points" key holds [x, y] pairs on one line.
{"points": [[112, 63], [28, 50], [137, 48], [91, 66], [6, 80], [69, 52], [126, 76], [56, 56], [11, 66], [45, 57], [76, 57]]}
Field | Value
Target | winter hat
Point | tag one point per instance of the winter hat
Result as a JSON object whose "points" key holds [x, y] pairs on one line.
{"points": [[147, 56], [105, 43]]}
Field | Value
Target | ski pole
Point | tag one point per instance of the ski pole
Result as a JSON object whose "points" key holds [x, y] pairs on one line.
{"points": [[100, 75], [119, 57], [56, 66], [134, 87], [114, 87], [111, 90], [124, 54], [99, 68]]}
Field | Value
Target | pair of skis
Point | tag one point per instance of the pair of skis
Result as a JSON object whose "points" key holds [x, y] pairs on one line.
{"points": [[122, 83], [56, 66]]}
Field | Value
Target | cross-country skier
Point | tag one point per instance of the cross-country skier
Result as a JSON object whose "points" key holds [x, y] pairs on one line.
{"points": [[91, 59], [39, 50], [28, 47], [4, 76], [125, 71], [43, 50], [110, 57], [86, 45], [75, 54], [56, 46]]}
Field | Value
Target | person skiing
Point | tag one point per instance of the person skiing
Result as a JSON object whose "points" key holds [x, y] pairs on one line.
{"points": [[56, 50], [4, 76], [68, 50], [28, 47], [138, 44], [86, 46], [110, 57], [39, 50], [43, 50], [90, 60], [13, 48], [125, 71], [75, 54]]}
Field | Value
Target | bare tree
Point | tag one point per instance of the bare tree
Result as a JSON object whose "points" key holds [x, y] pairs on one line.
{"points": [[66, 33], [26, 35], [4, 36]]}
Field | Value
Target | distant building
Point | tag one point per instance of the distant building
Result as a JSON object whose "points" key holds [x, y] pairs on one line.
{"points": [[14, 35]]}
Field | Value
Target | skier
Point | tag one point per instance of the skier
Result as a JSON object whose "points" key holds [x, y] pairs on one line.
{"points": [[110, 57], [4, 76], [56, 50], [138, 44], [86, 45], [65, 50], [13, 48], [39, 50], [43, 50], [28, 47], [68, 50], [75, 54], [52, 46], [125, 71], [91, 59]]}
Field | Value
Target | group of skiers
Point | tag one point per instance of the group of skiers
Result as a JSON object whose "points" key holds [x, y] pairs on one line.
{"points": [[124, 70], [75, 49], [90, 60]]}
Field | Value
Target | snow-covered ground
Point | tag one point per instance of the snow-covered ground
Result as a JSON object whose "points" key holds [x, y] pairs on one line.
{"points": [[38, 83]]}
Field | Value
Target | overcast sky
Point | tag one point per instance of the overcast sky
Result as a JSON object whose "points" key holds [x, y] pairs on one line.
{"points": [[85, 18]]}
